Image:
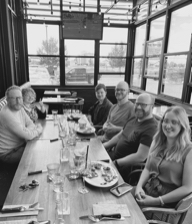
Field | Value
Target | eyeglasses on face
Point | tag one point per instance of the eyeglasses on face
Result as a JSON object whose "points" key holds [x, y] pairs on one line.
{"points": [[172, 122], [16, 98], [120, 90], [142, 105]]}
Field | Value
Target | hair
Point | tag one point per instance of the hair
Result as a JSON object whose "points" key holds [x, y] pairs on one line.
{"points": [[11, 88], [100, 86], [182, 141], [26, 91]]}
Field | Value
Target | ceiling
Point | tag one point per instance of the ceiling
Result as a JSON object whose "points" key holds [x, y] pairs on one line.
{"points": [[115, 11]]}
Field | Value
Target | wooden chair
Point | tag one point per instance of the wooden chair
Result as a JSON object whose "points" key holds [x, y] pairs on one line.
{"points": [[76, 105], [180, 209], [134, 175]]}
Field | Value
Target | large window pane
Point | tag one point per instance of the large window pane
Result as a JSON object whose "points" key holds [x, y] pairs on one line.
{"points": [[111, 80], [180, 30], [110, 50], [43, 39], [152, 67], [79, 71], [152, 85], [137, 72], [110, 35], [173, 74], [112, 64], [79, 47], [154, 48], [157, 28], [140, 40], [44, 71]]}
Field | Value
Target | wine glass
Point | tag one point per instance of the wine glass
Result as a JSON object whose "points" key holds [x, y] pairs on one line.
{"points": [[83, 189]]}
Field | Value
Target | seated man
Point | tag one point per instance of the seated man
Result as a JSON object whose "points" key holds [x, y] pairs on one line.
{"points": [[119, 113], [133, 142], [15, 127]]}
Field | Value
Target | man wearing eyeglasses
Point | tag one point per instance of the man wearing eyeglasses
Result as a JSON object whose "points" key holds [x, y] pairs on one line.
{"points": [[132, 144], [15, 127], [119, 113]]}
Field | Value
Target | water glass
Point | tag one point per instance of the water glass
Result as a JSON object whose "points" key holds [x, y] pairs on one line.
{"points": [[63, 205], [54, 113], [73, 164], [52, 169], [58, 182], [64, 154]]}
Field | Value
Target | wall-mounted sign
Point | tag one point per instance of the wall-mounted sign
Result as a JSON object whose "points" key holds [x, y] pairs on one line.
{"points": [[82, 25]]}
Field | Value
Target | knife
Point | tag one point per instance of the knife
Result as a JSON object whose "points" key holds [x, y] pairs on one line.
{"points": [[20, 209], [36, 172], [109, 216]]}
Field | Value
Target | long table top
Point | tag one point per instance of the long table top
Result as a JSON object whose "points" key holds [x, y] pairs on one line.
{"points": [[37, 155]]}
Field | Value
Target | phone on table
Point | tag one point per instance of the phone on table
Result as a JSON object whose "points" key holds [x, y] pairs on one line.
{"points": [[121, 189]]}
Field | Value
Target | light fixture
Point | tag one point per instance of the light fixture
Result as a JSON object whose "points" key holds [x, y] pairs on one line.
{"points": [[115, 1], [50, 4], [69, 6], [138, 9], [63, 25], [31, 19], [108, 21], [51, 8], [38, 2]]}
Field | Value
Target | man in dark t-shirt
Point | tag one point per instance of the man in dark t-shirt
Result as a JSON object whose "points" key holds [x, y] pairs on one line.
{"points": [[132, 144]]}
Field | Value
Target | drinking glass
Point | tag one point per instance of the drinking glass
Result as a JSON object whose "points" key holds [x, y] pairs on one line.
{"points": [[52, 169], [64, 203], [54, 113], [74, 165], [72, 133], [58, 182]]}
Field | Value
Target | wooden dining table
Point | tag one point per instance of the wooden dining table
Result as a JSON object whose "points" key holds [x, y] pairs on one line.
{"points": [[40, 152]]}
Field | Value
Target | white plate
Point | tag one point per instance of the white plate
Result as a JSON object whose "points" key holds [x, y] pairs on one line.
{"points": [[86, 131], [99, 181]]}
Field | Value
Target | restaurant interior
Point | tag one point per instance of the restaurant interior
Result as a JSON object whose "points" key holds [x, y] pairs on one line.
{"points": [[63, 49]]}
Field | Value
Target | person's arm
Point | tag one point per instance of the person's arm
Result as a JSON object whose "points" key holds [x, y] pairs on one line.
{"points": [[134, 158], [28, 131], [112, 142]]}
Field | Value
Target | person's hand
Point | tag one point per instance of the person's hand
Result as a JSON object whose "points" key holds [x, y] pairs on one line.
{"points": [[147, 200], [139, 193], [108, 126], [39, 128]]}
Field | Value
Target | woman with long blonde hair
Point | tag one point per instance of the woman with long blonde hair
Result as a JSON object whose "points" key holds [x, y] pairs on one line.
{"points": [[167, 176]]}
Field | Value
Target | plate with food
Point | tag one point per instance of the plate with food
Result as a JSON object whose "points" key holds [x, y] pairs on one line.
{"points": [[101, 174], [88, 130]]}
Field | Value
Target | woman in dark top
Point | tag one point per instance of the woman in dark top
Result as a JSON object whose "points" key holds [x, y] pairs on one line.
{"points": [[99, 111], [35, 110]]}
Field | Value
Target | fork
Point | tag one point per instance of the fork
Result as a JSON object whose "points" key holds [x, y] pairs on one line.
{"points": [[98, 218]]}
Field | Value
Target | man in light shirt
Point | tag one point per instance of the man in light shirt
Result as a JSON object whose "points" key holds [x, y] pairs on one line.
{"points": [[119, 113], [16, 128]]}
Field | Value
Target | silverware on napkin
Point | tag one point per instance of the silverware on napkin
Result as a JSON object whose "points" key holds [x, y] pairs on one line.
{"points": [[116, 216], [21, 208]]}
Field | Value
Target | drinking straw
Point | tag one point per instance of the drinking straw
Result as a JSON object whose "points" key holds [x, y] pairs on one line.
{"points": [[86, 157]]}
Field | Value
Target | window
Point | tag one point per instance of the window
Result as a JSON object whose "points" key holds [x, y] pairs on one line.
{"points": [[140, 40], [79, 62], [113, 51], [43, 54], [142, 10], [178, 47], [153, 52], [173, 75], [137, 72]]}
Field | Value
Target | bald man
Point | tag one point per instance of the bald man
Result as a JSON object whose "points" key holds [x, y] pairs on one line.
{"points": [[119, 113], [133, 142]]}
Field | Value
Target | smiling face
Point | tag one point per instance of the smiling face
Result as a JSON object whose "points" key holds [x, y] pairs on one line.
{"points": [[15, 100], [100, 94], [29, 98], [121, 91], [171, 125], [143, 106]]}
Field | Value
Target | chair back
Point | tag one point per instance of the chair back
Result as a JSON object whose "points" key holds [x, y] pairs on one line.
{"points": [[74, 106], [183, 207]]}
